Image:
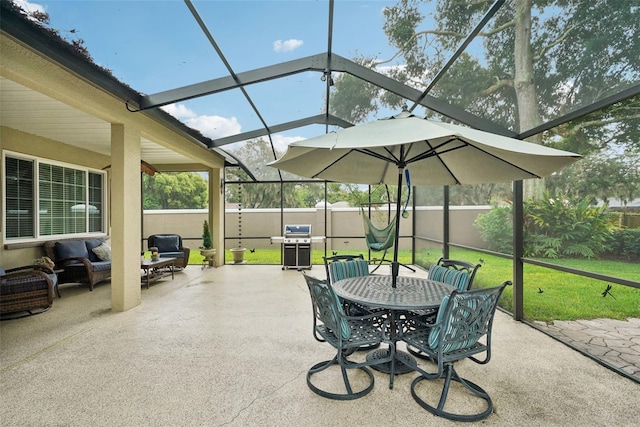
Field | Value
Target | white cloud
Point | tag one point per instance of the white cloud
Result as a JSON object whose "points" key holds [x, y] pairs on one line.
{"points": [[28, 6], [286, 45], [179, 111], [210, 126], [281, 142], [215, 126]]}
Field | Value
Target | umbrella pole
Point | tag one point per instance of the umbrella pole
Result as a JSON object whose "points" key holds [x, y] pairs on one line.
{"points": [[395, 266]]}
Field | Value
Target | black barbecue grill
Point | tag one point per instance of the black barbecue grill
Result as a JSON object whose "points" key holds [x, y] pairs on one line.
{"points": [[297, 246]]}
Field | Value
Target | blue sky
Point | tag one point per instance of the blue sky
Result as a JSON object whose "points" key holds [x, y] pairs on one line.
{"points": [[157, 45]]}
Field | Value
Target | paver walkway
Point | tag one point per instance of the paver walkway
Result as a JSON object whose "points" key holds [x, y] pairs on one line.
{"points": [[615, 342]]}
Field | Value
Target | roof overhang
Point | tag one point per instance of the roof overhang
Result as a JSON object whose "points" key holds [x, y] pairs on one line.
{"points": [[37, 100]]}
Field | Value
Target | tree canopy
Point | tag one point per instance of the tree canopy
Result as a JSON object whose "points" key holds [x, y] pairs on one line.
{"points": [[175, 190], [536, 62]]}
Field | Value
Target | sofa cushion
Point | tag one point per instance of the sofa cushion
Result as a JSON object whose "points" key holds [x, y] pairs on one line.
{"points": [[78, 267], [71, 248], [167, 243], [91, 244], [103, 252], [101, 265], [179, 254]]}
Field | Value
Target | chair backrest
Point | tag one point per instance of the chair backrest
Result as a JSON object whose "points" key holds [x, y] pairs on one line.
{"points": [[464, 318], [454, 272], [340, 267], [165, 242], [326, 306]]}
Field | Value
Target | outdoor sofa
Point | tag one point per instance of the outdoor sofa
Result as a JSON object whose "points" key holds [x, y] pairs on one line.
{"points": [[85, 260]]}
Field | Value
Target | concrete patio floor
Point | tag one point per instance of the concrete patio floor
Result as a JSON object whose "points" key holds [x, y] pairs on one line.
{"points": [[231, 346]]}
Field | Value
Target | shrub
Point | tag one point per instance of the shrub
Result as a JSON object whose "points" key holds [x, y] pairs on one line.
{"points": [[496, 228], [556, 227], [207, 242], [624, 244], [553, 228]]}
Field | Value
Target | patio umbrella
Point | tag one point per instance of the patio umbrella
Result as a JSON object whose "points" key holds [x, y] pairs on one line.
{"points": [[435, 153]]}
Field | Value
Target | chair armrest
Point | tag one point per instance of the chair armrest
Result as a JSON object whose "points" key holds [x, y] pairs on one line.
{"points": [[28, 268], [20, 276]]}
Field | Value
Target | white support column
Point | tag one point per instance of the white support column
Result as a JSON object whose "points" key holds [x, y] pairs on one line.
{"points": [[216, 213], [125, 217]]}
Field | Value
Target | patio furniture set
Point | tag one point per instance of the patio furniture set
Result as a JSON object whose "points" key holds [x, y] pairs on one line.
{"points": [[30, 288], [439, 318]]}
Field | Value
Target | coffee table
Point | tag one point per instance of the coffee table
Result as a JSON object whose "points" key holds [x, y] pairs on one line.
{"points": [[156, 270]]}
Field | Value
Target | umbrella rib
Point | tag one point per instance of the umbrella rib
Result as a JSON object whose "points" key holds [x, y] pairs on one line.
{"points": [[434, 150], [368, 152], [331, 164]]}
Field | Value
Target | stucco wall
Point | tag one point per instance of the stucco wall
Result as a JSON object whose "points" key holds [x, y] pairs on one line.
{"points": [[345, 225], [29, 144]]}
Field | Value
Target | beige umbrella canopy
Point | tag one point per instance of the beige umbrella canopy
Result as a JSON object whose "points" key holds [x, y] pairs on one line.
{"points": [[434, 153]]}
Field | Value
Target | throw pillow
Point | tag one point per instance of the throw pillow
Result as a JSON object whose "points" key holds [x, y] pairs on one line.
{"points": [[103, 252], [92, 243], [70, 249], [44, 261]]}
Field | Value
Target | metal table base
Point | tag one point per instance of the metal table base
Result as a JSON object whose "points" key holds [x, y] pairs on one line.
{"points": [[400, 367]]}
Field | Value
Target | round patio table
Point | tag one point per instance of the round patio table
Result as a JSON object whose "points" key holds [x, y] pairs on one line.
{"points": [[410, 293]]}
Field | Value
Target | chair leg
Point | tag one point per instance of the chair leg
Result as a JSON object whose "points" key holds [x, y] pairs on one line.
{"points": [[451, 374], [349, 395]]}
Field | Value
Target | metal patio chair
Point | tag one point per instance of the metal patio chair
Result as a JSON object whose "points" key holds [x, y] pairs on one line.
{"points": [[345, 266], [346, 334], [463, 319], [444, 271], [452, 272]]}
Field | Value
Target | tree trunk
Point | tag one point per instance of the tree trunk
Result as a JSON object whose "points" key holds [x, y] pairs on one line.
{"points": [[524, 84]]}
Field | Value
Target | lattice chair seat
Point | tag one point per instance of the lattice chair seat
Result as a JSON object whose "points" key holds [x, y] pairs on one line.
{"points": [[464, 318], [345, 334]]}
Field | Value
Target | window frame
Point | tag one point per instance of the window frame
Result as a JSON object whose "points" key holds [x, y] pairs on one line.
{"points": [[88, 186]]}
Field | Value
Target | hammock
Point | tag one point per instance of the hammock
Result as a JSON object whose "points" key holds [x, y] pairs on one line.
{"points": [[379, 239]]}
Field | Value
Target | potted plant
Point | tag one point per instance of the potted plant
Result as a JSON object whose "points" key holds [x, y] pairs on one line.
{"points": [[207, 250]]}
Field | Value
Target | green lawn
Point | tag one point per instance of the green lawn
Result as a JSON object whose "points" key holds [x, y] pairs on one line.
{"points": [[564, 296]]}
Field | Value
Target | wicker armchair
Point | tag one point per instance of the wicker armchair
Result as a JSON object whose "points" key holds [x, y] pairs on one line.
{"points": [[27, 288], [170, 246]]}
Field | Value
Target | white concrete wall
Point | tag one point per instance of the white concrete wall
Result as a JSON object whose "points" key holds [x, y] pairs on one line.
{"points": [[344, 224]]}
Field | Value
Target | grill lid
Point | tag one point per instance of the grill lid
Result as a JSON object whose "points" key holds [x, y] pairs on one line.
{"points": [[297, 230]]}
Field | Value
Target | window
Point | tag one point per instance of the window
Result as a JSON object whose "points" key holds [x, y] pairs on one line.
{"points": [[70, 199]]}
